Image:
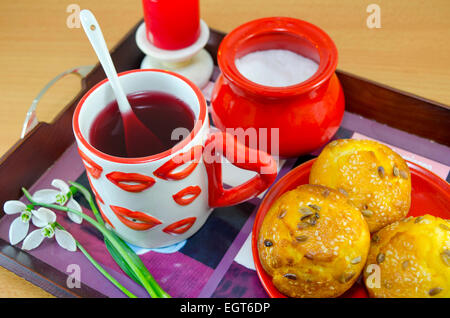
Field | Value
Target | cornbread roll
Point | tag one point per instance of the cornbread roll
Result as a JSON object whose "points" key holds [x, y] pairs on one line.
{"points": [[375, 178], [313, 242], [413, 256]]}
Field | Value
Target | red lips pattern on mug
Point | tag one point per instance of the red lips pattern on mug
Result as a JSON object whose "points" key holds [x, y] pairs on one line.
{"points": [[140, 221], [180, 227], [166, 171], [135, 220], [187, 195], [94, 169], [131, 182], [135, 182]]}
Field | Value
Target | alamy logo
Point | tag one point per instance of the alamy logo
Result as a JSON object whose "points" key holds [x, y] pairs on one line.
{"points": [[74, 277], [73, 20], [374, 19], [373, 279]]}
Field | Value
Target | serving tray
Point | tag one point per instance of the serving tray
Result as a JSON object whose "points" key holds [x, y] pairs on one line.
{"points": [[415, 127]]}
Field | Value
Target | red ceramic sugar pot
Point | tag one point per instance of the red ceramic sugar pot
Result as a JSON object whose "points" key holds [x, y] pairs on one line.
{"points": [[307, 114]]}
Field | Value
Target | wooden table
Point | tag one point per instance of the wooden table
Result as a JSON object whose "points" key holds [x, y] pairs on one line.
{"points": [[410, 52]]}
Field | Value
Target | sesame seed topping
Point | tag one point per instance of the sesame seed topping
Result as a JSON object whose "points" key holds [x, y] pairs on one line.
{"points": [[434, 291], [282, 213], [301, 238], [396, 171], [445, 257], [381, 172], [380, 258], [346, 277], [405, 264], [290, 276], [403, 174], [343, 192], [314, 207]]}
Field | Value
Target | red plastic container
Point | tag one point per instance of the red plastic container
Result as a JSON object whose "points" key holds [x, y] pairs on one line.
{"points": [[429, 195], [172, 25], [307, 114]]}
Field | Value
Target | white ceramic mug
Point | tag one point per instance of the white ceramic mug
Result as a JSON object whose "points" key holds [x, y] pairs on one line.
{"points": [[165, 198]]}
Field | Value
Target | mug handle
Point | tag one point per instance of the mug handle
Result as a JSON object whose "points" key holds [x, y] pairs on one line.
{"points": [[265, 167]]}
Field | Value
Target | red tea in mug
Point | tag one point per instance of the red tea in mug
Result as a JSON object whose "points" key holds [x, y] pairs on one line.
{"points": [[160, 112]]}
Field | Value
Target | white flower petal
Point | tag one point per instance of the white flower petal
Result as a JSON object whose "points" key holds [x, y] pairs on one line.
{"points": [[72, 204], [61, 185], [47, 196], [37, 221], [46, 215], [18, 230], [65, 240], [33, 240], [14, 206]]}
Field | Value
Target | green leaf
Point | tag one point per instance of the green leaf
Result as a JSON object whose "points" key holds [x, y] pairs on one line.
{"points": [[113, 251], [136, 260], [125, 257], [76, 187], [99, 267], [120, 261]]}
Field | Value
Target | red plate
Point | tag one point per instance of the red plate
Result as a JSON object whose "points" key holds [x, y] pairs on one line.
{"points": [[429, 195]]}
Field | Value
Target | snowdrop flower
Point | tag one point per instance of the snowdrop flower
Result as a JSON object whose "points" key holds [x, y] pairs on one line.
{"points": [[63, 196], [45, 220], [19, 227]]}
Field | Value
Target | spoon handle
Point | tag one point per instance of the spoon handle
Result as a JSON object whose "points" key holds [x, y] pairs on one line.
{"points": [[95, 36]]}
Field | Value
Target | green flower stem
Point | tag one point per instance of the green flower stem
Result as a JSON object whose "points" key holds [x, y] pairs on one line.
{"points": [[99, 267], [150, 285], [93, 261], [76, 187]]}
